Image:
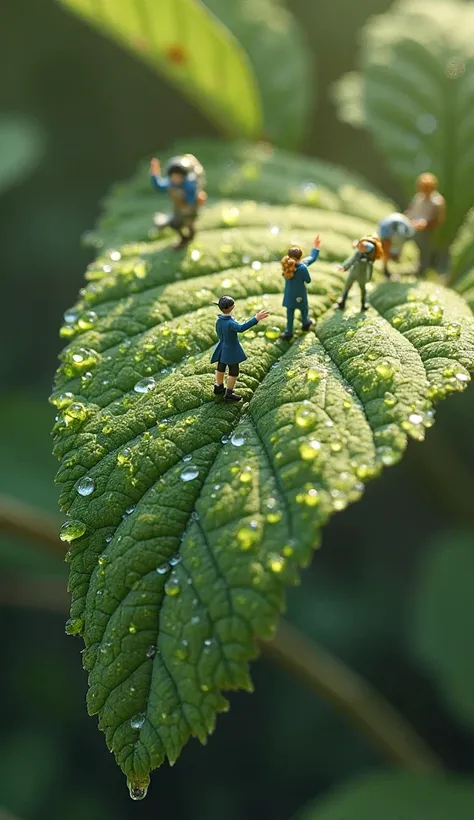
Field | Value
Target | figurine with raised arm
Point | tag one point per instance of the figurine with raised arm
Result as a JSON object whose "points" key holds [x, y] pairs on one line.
{"points": [[229, 353], [427, 212], [296, 274], [360, 266], [394, 230], [184, 180]]}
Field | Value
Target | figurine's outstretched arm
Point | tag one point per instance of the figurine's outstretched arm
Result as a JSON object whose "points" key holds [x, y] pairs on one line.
{"points": [[241, 328], [156, 179], [350, 260], [308, 260]]}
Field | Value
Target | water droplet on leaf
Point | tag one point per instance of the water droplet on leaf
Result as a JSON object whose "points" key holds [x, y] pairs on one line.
{"points": [[237, 439], [71, 530], [172, 587], [145, 385], [86, 486], [74, 626], [189, 473], [137, 792], [137, 721]]}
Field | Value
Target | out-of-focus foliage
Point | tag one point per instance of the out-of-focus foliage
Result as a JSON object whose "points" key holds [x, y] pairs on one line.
{"points": [[462, 250], [396, 797], [281, 58], [28, 475], [102, 111], [443, 621], [21, 148], [191, 48], [415, 94], [465, 286]]}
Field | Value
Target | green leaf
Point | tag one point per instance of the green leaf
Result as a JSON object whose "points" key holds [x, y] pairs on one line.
{"points": [[414, 93], [465, 286], [443, 621], [394, 796], [194, 514], [21, 148], [462, 251], [281, 60], [183, 41]]}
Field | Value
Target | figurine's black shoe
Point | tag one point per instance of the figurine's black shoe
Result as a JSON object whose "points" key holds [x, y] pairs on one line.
{"points": [[185, 240], [307, 326], [340, 304], [387, 273], [219, 389], [231, 396], [364, 306], [286, 336]]}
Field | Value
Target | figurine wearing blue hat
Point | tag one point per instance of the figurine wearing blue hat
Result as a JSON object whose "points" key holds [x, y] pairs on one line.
{"points": [[229, 353]]}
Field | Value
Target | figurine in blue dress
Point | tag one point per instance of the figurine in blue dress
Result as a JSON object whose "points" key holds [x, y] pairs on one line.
{"points": [[184, 180], [296, 274], [229, 353]]}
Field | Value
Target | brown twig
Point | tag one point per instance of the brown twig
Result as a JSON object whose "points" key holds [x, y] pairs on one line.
{"points": [[24, 521], [388, 730], [314, 666]]}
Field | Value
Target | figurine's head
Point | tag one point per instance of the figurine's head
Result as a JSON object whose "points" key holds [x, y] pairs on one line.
{"points": [[371, 246], [290, 261], [183, 167], [427, 183], [225, 304]]}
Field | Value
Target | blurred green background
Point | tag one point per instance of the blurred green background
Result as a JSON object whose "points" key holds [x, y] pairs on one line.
{"points": [[389, 592]]}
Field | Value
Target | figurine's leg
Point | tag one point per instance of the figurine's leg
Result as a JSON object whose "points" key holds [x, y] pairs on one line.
{"points": [[231, 379], [219, 388], [305, 320], [363, 299], [386, 243], [341, 302], [290, 318], [424, 241]]}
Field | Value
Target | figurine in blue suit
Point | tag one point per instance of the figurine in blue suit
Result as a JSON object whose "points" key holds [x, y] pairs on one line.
{"points": [[229, 352], [184, 180], [296, 275]]}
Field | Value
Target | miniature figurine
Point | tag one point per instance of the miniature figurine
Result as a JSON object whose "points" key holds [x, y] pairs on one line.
{"points": [[394, 231], [229, 352], [184, 180], [360, 265], [295, 272], [427, 211]]}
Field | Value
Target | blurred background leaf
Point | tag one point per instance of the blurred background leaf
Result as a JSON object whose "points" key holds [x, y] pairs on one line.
{"points": [[21, 148], [463, 249], [191, 48], [396, 796], [414, 94], [443, 621], [281, 57], [102, 111]]}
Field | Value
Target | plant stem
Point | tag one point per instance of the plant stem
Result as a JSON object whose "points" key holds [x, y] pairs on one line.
{"points": [[388, 730], [24, 521], [314, 666]]}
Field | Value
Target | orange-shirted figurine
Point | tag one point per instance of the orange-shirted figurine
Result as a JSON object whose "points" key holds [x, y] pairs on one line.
{"points": [[427, 212]]}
